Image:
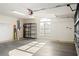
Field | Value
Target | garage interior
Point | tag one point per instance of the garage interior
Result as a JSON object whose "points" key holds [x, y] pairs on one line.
{"points": [[38, 29]]}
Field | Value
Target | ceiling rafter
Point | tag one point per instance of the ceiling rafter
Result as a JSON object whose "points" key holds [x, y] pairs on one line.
{"points": [[55, 7]]}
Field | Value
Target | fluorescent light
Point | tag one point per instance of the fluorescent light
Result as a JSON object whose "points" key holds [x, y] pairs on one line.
{"points": [[45, 19], [16, 12]]}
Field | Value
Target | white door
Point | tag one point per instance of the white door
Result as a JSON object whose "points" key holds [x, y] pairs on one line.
{"points": [[45, 28]]}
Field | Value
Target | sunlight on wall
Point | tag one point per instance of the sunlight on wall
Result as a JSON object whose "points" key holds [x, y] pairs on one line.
{"points": [[5, 32], [6, 28]]}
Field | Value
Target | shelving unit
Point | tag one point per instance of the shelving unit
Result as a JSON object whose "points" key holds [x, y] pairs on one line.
{"points": [[30, 30], [76, 27]]}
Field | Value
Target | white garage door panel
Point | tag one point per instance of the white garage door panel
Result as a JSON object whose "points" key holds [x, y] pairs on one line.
{"points": [[5, 32]]}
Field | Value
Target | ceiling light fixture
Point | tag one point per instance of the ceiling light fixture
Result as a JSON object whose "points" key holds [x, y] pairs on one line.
{"points": [[30, 12]]}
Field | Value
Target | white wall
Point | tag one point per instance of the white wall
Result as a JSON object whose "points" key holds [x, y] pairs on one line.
{"points": [[6, 28], [59, 32]]}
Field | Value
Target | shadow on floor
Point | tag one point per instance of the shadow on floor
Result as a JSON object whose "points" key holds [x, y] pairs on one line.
{"points": [[8, 46]]}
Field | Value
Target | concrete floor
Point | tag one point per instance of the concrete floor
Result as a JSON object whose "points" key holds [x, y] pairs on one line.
{"points": [[57, 49], [51, 48]]}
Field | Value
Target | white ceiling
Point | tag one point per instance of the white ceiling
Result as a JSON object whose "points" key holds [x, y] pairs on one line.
{"points": [[7, 8]]}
